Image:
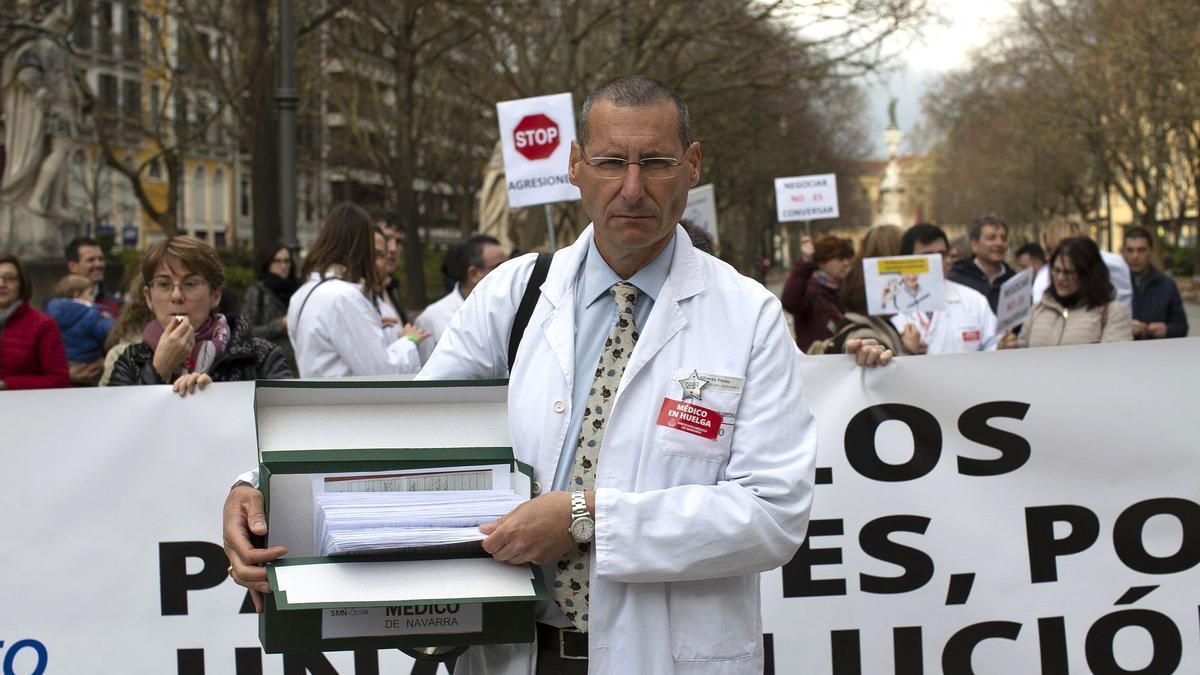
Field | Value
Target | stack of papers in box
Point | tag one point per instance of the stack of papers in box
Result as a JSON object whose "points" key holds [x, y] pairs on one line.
{"points": [[373, 522]]}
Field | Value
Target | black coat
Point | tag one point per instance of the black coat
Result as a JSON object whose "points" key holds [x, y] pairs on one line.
{"points": [[1156, 299], [245, 358], [967, 273]]}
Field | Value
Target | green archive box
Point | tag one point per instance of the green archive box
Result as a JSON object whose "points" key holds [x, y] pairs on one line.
{"points": [[443, 596]]}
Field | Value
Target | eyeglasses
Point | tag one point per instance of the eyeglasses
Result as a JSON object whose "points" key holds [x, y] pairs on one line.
{"points": [[1064, 273], [657, 168], [9, 279], [190, 289]]}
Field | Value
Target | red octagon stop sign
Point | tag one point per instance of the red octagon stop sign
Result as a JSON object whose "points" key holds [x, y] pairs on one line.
{"points": [[536, 136]]}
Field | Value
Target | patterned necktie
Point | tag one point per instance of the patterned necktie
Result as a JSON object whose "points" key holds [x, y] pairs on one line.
{"points": [[571, 579]]}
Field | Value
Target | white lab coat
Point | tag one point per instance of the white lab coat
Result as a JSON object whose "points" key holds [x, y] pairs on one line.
{"points": [[1118, 274], [436, 318], [683, 524], [965, 325], [339, 333]]}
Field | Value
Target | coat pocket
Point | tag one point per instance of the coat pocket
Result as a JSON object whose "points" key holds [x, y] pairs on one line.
{"points": [[714, 619], [698, 415]]}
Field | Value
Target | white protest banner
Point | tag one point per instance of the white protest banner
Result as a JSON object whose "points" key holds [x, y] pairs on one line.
{"points": [[996, 509], [998, 513], [806, 197], [535, 137], [1016, 301], [904, 283], [702, 209], [112, 560]]}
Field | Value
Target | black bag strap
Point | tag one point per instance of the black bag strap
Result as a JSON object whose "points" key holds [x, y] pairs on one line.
{"points": [[533, 290], [306, 298]]}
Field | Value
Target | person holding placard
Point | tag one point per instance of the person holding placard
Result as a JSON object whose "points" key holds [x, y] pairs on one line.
{"points": [[811, 291], [967, 324], [1080, 307], [640, 353]]}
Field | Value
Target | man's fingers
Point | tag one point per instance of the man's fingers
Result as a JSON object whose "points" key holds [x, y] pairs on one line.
{"points": [[488, 528], [885, 357], [256, 598]]}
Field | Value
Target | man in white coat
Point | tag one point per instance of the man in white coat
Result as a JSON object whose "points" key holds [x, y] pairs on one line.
{"points": [[480, 255], [673, 458], [967, 324]]}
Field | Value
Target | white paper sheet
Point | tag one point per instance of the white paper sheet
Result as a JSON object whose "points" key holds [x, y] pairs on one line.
{"points": [[404, 581]]}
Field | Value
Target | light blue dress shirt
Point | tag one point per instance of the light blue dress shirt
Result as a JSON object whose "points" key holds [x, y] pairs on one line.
{"points": [[595, 315]]}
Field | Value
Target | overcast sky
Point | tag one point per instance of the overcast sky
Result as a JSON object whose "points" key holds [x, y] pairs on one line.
{"points": [[943, 45]]}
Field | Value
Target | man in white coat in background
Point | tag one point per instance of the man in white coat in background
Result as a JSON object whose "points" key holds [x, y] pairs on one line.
{"points": [[658, 395], [479, 255]]}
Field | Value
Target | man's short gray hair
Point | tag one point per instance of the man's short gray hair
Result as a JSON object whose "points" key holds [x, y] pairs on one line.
{"points": [[635, 91]]}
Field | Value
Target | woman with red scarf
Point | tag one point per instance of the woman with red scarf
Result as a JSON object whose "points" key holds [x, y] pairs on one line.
{"points": [[189, 344]]}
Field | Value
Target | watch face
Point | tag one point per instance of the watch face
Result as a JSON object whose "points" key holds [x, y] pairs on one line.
{"points": [[583, 529]]}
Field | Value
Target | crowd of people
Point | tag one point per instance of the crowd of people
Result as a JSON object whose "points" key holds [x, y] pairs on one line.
{"points": [[1081, 295], [338, 313]]}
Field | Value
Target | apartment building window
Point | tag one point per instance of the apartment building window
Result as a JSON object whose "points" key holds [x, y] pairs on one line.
{"points": [[132, 34], [133, 100], [199, 196], [81, 32], [155, 107], [104, 43], [108, 92], [218, 198], [156, 43], [244, 198]]}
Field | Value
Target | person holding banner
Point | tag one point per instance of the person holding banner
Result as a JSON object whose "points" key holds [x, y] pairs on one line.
{"points": [[967, 324], [189, 344], [1080, 307], [332, 323], [651, 524]]}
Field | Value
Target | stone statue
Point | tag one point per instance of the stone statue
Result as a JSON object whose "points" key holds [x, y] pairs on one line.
{"points": [[41, 105], [892, 113]]}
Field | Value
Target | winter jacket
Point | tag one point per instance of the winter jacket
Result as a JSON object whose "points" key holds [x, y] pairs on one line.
{"points": [[245, 358], [1156, 299], [967, 273], [816, 309], [1050, 324], [31, 351], [262, 310], [82, 326]]}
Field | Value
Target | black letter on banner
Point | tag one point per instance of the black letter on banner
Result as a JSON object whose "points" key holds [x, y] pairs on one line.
{"points": [[190, 661], [173, 580], [864, 457], [1168, 645], [247, 661], [1127, 536], [1052, 643], [307, 664], [907, 650], [1014, 450], [367, 663], [1044, 548], [956, 657], [846, 651], [797, 573], [918, 567]]}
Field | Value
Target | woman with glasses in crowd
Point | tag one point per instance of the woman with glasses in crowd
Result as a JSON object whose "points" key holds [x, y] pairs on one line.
{"points": [[1079, 307], [265, 304], [334, 326], [189, 344], [32, 355]]}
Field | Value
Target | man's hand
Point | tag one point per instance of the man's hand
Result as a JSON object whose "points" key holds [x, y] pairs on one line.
{"points": [[1139, 328], [868, 352], [411, 331], [87, 373], [807, 249], [1157, 329], [1008, 341], [244, 519], [912, 340], [537, 531]]}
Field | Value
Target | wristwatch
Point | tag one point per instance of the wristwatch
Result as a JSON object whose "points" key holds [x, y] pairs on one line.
{"points": [[583, 528]]}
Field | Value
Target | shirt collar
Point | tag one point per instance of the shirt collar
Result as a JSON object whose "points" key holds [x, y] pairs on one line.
{"points": [[598, 277]]}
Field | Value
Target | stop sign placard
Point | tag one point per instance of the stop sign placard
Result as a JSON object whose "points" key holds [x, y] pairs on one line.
{"points": [[536, 136]]}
